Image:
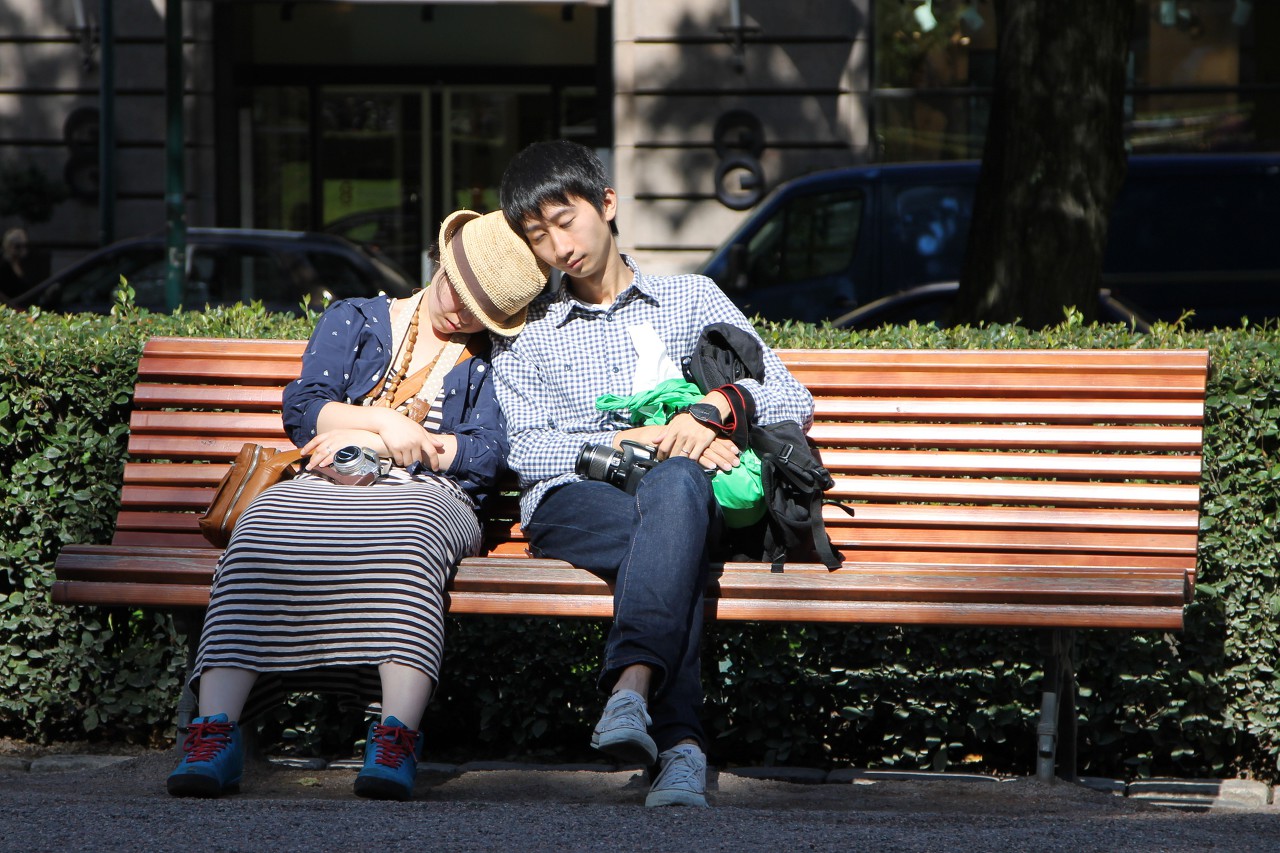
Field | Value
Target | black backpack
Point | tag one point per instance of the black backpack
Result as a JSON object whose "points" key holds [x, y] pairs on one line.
{"points": [[795, 485], [794, 478]]}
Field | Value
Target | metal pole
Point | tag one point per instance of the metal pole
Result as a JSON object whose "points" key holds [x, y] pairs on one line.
{"points": [[174, 184], [107, 125]]}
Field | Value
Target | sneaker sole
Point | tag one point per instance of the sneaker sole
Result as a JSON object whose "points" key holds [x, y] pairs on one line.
{"points": [[374, 788], [199, 785], [627, 745], [675, 798]]}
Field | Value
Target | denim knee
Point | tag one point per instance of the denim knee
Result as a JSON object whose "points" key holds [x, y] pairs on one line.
{"points": [[679, 479]]}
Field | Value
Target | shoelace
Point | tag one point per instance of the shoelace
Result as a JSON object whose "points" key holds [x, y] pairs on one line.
{"points": [[394, 744], [681, 771], [205, 741], [628, 712]]}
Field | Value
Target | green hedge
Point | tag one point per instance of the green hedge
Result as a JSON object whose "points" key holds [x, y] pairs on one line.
{"points": [[1196, 703]]}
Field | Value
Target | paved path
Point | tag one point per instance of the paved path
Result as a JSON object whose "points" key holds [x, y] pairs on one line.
{"points": [[123, 807]]}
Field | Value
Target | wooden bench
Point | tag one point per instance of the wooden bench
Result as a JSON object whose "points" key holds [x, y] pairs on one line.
{"points": [[1051, 489]]}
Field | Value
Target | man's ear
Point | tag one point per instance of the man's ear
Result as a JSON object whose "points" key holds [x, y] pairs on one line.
{"points": [[609, 209]]}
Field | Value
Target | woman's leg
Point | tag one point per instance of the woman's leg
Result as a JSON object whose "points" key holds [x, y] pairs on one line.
{"points": [[224, 689], [213, 750], [405, 693]]}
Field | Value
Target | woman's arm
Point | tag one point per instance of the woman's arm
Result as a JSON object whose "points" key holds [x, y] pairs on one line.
{"points": [[385, 431]]}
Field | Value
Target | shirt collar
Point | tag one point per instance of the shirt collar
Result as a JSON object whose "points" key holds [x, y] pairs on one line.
{"points": [[567, 306]]}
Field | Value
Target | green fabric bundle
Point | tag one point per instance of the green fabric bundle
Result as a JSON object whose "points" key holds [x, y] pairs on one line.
{"points": [[739, 491]]}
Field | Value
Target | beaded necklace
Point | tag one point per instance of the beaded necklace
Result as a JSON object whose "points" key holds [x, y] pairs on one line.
{"points": [[392, 396], [389, 388]]}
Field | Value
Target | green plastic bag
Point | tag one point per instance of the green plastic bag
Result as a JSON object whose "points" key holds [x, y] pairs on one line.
{"points": [[740, 492]]}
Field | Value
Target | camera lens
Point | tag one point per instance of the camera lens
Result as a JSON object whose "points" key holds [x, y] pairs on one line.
{"points": [[595, 460], [347, 460]]}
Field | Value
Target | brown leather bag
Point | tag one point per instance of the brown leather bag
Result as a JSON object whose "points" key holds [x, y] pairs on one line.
{"points": [[254, 470]]}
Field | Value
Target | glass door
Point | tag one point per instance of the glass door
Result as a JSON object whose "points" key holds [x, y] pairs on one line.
{"points": [[370, 170], [484, 129]]}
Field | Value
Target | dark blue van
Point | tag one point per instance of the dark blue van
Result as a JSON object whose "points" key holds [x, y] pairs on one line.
{"points": [[1191, 232]]}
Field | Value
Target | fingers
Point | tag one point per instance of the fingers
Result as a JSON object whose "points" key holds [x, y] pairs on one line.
{"points": [[722, 454], [321, 451]]}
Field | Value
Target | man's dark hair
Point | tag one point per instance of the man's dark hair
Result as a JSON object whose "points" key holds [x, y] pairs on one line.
{"points": [[551, 172]]}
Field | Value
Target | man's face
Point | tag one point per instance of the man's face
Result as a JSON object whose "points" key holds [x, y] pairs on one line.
{"points": [[574, 237]]}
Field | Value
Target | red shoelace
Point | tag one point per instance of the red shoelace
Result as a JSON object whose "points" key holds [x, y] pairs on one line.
{"points": [[394, 744], [205, 740]]}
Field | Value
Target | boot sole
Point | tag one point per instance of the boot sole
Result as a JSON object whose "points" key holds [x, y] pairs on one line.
{"points": [[374, 788], [199, 785]]}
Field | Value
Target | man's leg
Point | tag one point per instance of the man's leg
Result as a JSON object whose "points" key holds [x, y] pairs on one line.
{"points": [[654, 545]]}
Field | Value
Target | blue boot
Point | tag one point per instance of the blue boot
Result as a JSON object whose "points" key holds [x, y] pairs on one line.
{"points": [[391, 754], [212, 759]]}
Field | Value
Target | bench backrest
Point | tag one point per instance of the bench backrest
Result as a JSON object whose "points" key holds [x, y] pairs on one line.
{"points": [[1091, 455]]}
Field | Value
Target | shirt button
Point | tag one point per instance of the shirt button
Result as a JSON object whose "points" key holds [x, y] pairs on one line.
{"points": [[616, 368]]}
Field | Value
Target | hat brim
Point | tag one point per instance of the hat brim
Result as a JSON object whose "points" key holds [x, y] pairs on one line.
{"points": [[508, 328]]}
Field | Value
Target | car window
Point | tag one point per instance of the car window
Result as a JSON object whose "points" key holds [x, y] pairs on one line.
{"points": [[92, 289], [338, 276], [812, 236], [1191, 222], [924, 307], [225, 275], [926, 236]]}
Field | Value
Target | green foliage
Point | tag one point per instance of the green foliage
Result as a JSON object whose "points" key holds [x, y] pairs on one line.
{"points": [[1197, 703], [65, 390]]}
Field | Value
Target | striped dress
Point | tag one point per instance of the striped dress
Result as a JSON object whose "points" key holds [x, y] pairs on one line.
{"points": [[323, 582]]}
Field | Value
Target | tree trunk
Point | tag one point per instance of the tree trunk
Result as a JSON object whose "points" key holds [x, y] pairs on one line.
{"points": [[1052, 164]]}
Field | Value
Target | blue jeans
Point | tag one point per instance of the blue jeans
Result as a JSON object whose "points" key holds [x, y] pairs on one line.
{"points": [[653, 545]]}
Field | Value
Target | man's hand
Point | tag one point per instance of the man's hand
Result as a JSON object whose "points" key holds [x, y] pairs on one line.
{"points": [[685, 437]]}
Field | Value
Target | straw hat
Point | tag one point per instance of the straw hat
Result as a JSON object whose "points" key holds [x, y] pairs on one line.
{"points": [[493, 271]]}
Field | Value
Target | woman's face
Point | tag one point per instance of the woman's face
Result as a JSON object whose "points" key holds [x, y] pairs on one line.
{"points": [[449, 314]]}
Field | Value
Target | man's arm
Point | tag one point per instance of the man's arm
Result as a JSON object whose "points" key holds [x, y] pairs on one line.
{"points": [[780, 397], [539, 450]]}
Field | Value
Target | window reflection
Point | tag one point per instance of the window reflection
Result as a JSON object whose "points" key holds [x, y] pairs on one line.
{"points": [[1197, 80]]}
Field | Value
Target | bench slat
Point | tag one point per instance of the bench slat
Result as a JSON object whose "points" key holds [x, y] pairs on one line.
{"points": [[840, 462], [1054, 465], [1008, 436], [997, 409], [1192, 362], [160, 494], [152, 395], [599, 607]]}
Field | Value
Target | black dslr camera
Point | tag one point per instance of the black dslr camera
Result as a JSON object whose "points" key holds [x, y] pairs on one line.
{"points": [[622, 468]]}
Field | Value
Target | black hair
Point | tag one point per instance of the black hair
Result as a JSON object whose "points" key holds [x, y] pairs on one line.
{"points": [[549, 173]]}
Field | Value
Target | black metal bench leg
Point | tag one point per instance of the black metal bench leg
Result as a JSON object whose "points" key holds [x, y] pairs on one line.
{"points": [[1056, 733], [192, 624]]}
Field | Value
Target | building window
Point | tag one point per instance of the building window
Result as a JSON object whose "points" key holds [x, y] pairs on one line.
{"points": [[1197, 81]]}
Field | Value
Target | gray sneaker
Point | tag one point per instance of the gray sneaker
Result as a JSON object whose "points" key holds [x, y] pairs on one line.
{"points": [[623, 730], [682, 779]]}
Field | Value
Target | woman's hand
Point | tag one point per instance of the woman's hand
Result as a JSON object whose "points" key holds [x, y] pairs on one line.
{"points": [[384, 431], [325, 444], [406, 442]]}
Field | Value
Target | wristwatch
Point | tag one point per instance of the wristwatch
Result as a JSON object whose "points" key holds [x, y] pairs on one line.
{"points": [[707, 415]]}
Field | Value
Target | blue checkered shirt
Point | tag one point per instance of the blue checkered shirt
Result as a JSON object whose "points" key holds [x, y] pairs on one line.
{"points": [[569, 353]]}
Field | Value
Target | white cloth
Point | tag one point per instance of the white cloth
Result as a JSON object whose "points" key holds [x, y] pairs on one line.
{"points": [[653, 364]]}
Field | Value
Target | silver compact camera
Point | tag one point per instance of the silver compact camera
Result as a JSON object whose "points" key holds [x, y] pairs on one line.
{"points": [[352, 466]]}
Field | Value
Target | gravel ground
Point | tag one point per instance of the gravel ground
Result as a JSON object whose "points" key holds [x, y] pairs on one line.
{"points": [[125, 807]]}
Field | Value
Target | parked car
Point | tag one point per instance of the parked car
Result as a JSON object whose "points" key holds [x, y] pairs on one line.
{"points": [[391, 231], [225, 266], [1187, 232], [931, 303]]}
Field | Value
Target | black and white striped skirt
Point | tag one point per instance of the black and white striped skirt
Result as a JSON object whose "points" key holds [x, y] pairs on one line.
{"points": [[321, 583]]}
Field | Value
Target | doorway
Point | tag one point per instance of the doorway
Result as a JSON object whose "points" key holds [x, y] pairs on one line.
{"points": [[383, 165]]}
